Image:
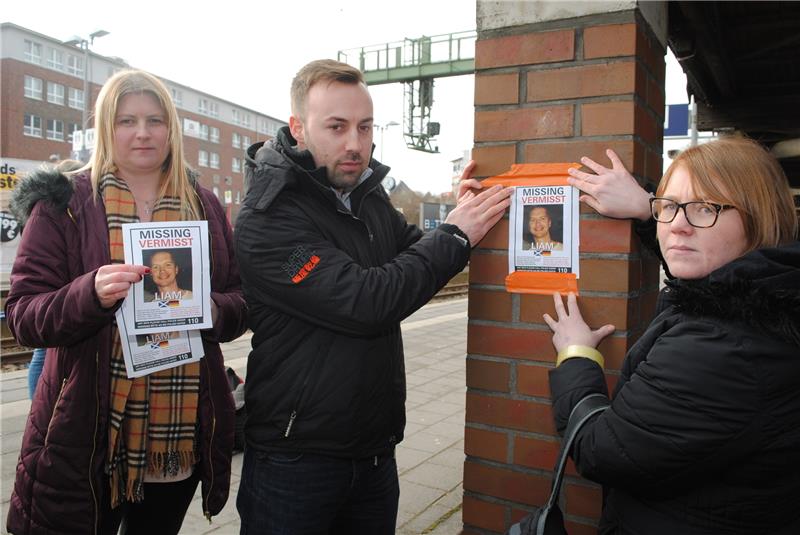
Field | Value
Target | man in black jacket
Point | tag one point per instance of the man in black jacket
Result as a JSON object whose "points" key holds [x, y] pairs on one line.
{"points": [[329, 270]]}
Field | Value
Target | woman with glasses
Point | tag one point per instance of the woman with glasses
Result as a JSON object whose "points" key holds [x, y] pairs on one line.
{"points": [[703, 433]]}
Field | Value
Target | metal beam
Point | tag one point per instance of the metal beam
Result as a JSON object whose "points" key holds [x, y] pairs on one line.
{"points": [[417, 72]]}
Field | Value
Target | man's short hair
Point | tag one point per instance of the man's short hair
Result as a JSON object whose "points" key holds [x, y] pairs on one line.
{"points": [[321, 70]]}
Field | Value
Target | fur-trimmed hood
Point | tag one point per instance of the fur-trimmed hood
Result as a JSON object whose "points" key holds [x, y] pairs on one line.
{"points": [[51, 186], [47, 185], [761, 289]]}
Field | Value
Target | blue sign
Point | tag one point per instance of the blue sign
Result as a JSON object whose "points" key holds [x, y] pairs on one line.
{"points": [[431, 215], [676, 122]]}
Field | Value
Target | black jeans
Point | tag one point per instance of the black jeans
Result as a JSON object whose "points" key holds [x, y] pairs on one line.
{"points": [[160, 513], [305, 494]]}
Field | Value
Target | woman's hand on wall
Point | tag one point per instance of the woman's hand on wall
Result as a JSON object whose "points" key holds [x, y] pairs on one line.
{"points": [[612, 192], [570, 329]]}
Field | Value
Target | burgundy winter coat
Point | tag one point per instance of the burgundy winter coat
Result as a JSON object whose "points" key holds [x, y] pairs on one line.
{"points": [[60, 482]]}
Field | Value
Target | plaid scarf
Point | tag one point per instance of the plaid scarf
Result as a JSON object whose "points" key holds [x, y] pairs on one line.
{"points": [[152, 420]]}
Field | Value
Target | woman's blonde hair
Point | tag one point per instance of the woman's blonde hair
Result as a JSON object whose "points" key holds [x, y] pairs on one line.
{"points": [[738, 171], [175, 174]]}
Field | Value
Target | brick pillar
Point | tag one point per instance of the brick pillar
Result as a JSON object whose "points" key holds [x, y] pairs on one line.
{"points": [[552, 91]]}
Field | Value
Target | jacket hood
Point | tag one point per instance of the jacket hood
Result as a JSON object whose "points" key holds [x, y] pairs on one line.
{"points": [[761, 289], [267, 166], [42, 185], [51, 186]]}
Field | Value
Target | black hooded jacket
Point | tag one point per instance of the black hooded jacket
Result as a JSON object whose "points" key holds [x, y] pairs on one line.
{"points": [[703, 435], [327, 288]]}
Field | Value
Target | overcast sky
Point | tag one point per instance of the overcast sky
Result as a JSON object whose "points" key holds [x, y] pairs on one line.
{"points": [[248, 52]]}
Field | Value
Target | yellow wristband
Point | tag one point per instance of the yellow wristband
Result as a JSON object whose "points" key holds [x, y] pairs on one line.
{"points": [[580, 351]]}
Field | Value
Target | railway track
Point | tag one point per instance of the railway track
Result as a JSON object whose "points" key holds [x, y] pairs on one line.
{"points": [[14, 357], [451, 291]]}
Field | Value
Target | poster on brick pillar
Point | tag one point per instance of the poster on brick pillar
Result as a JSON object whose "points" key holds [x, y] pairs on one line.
{"points": [[11, 172], [543, 228]]}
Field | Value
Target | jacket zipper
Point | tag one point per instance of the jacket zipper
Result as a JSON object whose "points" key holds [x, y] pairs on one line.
{"points": [[206, 512], [370, 235], [291, 423], [350, 213], [96, 415], [94, 439], [293, 415], [53, 415]]}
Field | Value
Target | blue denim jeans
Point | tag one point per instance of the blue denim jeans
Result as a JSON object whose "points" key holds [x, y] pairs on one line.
{"points": [[305, 494], [35, 369]]}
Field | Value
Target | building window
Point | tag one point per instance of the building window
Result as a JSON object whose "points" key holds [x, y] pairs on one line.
{"points": [[235, 117], [214, 161], [55, 59], [33, 126], [75, 98], [55, 130], [245, 142], [215, 179], [204, 132], [33, 87], [213, 109], [236, 141], [265, 126], [177, 97], [202, 106], [71, 129], [238, 197], [33, 52], [214, 134], [246, 120], [215, 189], [236, 165], [202, 158], [55, 93], [75, 65]]}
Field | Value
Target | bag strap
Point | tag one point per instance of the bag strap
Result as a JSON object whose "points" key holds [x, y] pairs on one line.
{"points": [[581, 413]]}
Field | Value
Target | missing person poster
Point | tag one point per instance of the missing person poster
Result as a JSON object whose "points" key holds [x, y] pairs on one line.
{"points": [[148, 353], [542, 236], [176, 295], [543, 239]]}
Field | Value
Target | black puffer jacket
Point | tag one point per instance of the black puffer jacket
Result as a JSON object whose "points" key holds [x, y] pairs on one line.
{"points": [[327, 288], [703, 435]]}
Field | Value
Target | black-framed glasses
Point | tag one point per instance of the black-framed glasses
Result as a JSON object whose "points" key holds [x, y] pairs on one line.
{"points": [[700, 214]]}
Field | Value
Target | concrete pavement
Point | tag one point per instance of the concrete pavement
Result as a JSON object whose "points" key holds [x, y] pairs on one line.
{"points": [[430, 460]]}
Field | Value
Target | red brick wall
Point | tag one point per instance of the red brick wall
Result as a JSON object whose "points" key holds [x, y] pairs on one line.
{"points": [[553, 95]]}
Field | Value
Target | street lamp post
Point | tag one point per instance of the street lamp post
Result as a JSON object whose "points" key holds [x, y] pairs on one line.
{"points": [[382, 128], [83, 44]]}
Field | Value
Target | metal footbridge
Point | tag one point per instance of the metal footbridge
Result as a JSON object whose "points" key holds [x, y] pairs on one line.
{"points": [[416, 63]]}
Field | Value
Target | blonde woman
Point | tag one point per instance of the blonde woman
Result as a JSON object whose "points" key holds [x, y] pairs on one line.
{"points": [[100, 449]]}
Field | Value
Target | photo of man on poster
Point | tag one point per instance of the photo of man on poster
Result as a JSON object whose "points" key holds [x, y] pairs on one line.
{"points": [[170, 274], [542, 228]]}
